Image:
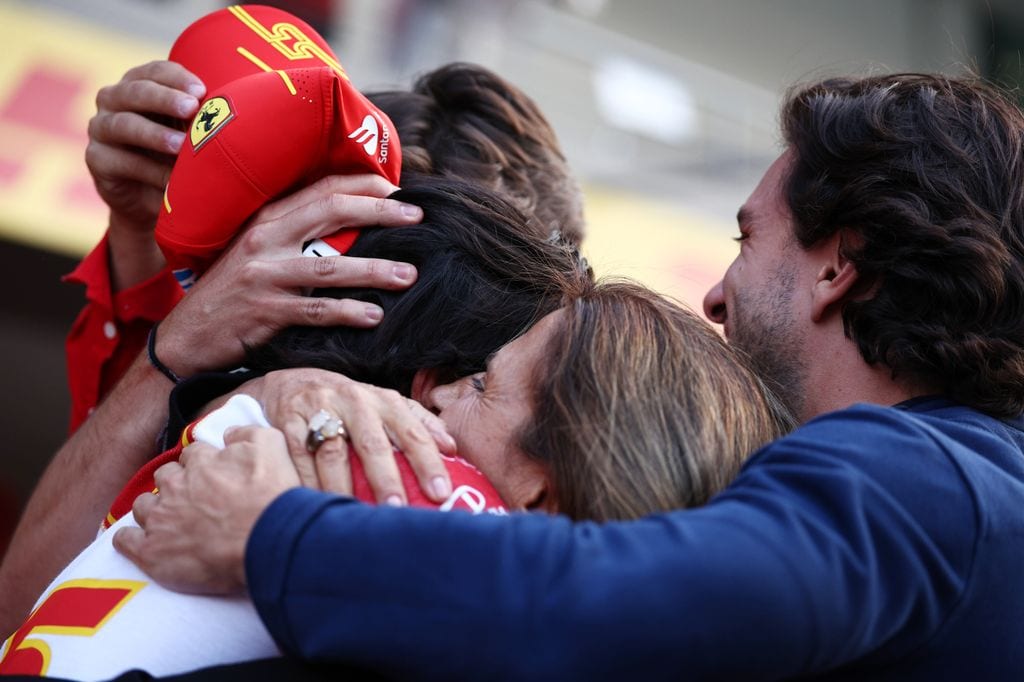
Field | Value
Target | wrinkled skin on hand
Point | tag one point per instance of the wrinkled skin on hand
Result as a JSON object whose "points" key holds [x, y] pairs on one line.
{"points": [[192, 535], [377, 421]]}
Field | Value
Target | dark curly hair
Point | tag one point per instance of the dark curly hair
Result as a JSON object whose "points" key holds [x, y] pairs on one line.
{"points": [[465, 122], [925, 175]]}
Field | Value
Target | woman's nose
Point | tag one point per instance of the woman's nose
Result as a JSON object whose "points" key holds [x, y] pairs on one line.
{"points": [[442, 396]]}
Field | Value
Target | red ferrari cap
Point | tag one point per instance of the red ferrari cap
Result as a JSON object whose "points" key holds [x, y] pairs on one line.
{"points": [[245, 39], [263, 130]]}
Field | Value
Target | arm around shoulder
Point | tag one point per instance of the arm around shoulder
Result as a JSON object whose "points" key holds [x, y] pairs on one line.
{"points": [[801, 565]]}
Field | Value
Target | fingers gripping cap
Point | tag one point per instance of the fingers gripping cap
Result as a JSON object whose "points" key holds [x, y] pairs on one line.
{"points": [[263, 132]]}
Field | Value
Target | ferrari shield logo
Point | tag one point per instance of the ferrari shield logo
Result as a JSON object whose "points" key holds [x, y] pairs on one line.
{"points": [[212, 117]]}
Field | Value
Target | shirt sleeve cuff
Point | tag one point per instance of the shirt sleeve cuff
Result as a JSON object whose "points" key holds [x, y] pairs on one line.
{"points": [[151, 300]]}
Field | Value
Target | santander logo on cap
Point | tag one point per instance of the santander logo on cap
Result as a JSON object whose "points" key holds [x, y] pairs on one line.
{"points": [[280, 113], [369, 133], [366, 135]]}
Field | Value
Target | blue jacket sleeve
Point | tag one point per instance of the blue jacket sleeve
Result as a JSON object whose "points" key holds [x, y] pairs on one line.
{"points": [[810, 559]]}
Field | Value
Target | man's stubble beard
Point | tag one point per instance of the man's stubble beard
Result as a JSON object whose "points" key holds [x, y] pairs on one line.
{"points": [[763, 326]]}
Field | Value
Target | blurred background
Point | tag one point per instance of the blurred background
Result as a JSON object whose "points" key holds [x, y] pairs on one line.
{"points": [[667, 110]]}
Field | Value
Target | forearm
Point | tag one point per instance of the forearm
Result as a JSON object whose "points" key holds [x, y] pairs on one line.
{"points": [[112, 327], [487, 598], [726, 592], [134, 255], [71, 499]]}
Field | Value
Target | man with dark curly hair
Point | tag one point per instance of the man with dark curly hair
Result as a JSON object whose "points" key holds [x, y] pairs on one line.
{"points": [[900, 201], [880, 287]]}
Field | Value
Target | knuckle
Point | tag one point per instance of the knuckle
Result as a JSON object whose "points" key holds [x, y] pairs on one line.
{"points": [[346, 387], [315, 310], [257, 238], [92, 154], [93, 128], [324, 395], [99, 127], [392, 398], [103, 95], [119, 120], [135, 89], [325, 267], [249, 273], [137, 71], [372, 445], [380, 207], [166, 72], [332, 204], [414, 433]]}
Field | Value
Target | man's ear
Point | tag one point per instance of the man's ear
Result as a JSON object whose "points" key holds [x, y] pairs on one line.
{"points": [[835, 279], [423, 382]]}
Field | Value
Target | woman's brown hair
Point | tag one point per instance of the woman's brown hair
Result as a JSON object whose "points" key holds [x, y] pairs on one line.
{"points": [[642, 407]]}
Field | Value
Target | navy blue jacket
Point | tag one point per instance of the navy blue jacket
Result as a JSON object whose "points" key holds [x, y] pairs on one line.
{"points": [[871, 543]]}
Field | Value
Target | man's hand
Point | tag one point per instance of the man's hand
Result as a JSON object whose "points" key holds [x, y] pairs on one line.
{"points": [[256, 287], [194, 531], [133, 140], [136, 135], [377, 420]]}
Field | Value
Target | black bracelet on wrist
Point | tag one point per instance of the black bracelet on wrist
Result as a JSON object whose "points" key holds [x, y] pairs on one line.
{"points": [[155, 361]]}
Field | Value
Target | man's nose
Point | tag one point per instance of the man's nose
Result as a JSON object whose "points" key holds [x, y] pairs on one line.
{"points": [[714, 304]]}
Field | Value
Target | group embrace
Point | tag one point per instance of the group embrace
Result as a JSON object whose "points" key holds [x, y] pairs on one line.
{"points": [[411, 436]]}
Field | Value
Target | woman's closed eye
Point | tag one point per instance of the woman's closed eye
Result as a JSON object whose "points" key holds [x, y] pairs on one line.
{"points": [[478, 382]]}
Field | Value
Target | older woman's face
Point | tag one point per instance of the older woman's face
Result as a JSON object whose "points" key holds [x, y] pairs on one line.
{"points": [[485, 412]]}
